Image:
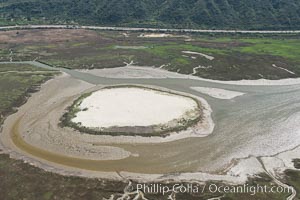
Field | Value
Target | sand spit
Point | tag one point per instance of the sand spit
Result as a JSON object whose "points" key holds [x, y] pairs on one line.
{"points": [[152, 72], [200, 54], [218, 93], [133, 106]]}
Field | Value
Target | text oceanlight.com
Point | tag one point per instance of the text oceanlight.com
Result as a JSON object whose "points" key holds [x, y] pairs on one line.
{"points": [[211, 188]]}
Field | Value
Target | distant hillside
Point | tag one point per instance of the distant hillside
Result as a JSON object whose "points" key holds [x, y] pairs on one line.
{"points": [[218, 14]]}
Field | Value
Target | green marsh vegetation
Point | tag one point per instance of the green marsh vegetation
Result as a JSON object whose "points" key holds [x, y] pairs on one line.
{"points": [[236, 57], [17, 81]]}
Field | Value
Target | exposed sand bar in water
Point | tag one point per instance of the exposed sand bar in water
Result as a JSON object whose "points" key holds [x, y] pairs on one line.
{"points": [[218, 93], [132, 106]]}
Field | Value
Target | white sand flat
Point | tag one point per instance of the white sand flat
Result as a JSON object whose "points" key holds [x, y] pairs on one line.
{"points": [[132, 107]]}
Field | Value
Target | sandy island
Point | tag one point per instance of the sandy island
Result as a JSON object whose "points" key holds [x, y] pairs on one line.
{"points": [[132, 110], [132, 106]]}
